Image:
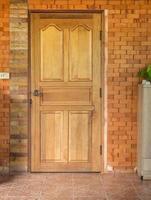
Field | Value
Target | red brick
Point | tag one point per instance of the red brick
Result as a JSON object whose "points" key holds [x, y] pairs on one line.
{"points": [[129, 49]]}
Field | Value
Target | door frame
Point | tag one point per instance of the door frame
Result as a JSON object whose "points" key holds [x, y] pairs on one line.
{"points": [[103, 149]]}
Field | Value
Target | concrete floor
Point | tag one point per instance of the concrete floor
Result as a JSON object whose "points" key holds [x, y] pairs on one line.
{"points": [[74, 186]]}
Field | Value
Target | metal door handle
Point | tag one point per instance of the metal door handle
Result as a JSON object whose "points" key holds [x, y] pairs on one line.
{"points": [[37, 93]]}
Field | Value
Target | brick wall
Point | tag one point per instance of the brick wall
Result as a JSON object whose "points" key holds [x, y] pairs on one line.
{"points": [[19, 85], [4, 90], [129, 49]]}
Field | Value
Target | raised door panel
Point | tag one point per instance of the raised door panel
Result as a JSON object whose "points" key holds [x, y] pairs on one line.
{"points": [[52, 58], [79, 136], [80, 58], [51, 136], [66, 96]]}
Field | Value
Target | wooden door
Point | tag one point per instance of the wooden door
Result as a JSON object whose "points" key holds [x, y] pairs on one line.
{"points": [[65, 92]]}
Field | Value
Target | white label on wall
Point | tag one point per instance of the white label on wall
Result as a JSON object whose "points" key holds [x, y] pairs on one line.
{"points": [[4, 75]]}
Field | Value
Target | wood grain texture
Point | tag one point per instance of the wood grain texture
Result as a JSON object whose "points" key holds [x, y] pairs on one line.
{"points": [[79, 136], [52, 53], [80, 57], [66, 96], [51, 136]]}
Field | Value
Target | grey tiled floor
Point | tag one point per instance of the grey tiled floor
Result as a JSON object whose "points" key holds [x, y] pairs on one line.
{"points": [[74, 186]]}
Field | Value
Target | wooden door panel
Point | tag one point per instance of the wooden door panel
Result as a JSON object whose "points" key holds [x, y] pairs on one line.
{"points": [[80, 53], [51, 136], [52, 60], [66, 96], [79, 136], [66, 113]]}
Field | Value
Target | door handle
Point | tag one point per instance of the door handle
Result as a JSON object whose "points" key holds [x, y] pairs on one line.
{"points": [[37, 93]]}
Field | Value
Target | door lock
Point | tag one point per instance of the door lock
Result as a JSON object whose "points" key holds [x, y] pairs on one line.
{"points": [[37, 93]]}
